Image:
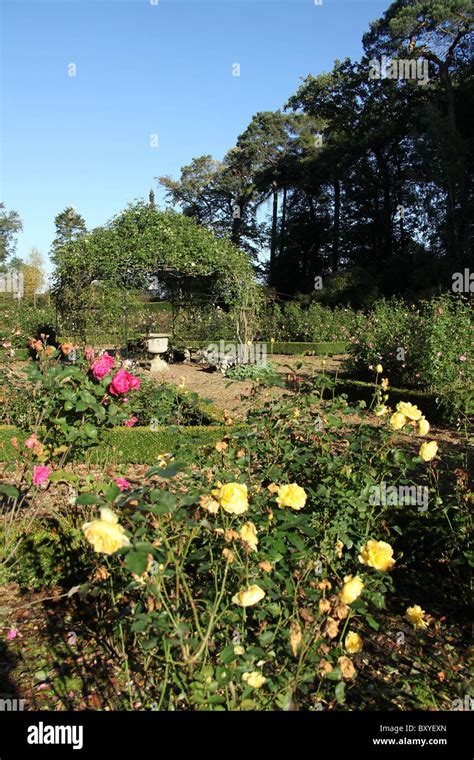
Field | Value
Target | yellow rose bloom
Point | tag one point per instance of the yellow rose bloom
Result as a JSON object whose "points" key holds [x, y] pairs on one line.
{"points": [[379, 369], [377, 554], [105, 535], [353, 642], [249, 596], [291, 495], [423, 427], [164, 460], [351, 589], [232, 497], [428, 450], [254, 679], [248, 534], [415, 615], [398, 420], [409, 410], [381, 410]]}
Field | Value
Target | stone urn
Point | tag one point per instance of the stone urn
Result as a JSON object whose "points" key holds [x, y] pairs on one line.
{"points": [[156, 344]]}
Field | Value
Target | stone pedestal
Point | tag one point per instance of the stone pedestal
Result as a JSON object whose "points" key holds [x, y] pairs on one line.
{"points": [[158, 364]]}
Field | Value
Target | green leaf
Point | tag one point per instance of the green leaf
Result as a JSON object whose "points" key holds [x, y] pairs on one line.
{"points": [[90, 430], [340, 692], [112, 493], [10, 491], [136, 561], [89, 498], [227, 654]]}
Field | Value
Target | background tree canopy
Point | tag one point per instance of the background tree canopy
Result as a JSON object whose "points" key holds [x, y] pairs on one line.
{"points": [[369, 177]]}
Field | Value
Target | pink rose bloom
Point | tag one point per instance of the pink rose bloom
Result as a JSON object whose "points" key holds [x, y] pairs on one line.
{"points": [[102, 366], [40, 474], [12, 634], [463, 358], [131, 422], [32, 441], [122, 483], [120, 383], [89, 353]]}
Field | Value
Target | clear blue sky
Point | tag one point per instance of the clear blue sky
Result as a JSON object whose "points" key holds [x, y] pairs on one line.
{"points": [[144, 69]]}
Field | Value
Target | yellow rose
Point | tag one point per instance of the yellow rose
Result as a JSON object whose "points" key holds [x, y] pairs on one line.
{"points": [[415, 615], [351, 589], [409, 410], [381, 410], [254, 679], [248, 534], [428, 450], [353, 642], [164, 460], [377, 554], [105, 535], [398, 420], [249, 596], [423, 427], [291, 495], [232, 497], [379, 369]]}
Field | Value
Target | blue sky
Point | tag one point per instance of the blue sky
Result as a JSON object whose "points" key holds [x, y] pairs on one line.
{"points": [[145, 68]]}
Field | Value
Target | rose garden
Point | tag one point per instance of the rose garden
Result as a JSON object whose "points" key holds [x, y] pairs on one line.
{"points": [[220, 532]]}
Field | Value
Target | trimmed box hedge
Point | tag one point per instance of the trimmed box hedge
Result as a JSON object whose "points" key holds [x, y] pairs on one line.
{"points": [[324, 348], [130, 445]]}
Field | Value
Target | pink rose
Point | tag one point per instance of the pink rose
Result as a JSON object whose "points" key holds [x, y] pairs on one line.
{"points": [[131, 422], [120, 383], [32, 441], [40, 474], [122, 483], [102, 366], [462, 358], [89, 353], [12, 634]]}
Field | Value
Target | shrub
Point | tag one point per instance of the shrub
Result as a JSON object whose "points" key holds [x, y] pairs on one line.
{"points": [[427, 347], [275, 517]]}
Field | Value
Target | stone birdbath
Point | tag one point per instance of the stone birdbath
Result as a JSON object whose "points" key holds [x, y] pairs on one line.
{"points": [[156, 344]]}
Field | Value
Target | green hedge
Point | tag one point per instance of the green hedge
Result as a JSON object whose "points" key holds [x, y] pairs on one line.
{"points": [[130, 445], [357, 390], [326, 348]]}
